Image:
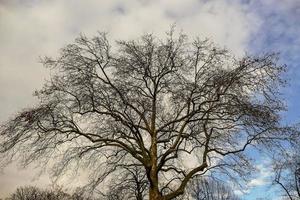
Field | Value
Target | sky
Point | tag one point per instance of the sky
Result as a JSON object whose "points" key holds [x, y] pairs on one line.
{"points": [[33, 28]]}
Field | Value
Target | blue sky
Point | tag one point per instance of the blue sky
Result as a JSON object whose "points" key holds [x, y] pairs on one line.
{"points": [[279, 32], [32, 28]]}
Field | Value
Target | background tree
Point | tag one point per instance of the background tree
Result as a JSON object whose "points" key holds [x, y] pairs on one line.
{"points": [[287, 175], [176, 108], [131, 184], [35, 193], [210, 189], [31, 192]]}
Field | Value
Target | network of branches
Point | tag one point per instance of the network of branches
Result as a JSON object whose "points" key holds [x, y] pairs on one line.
{"points": [[170, 109]]}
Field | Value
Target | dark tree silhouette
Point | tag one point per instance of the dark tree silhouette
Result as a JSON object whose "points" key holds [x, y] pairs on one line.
{"points": [[172, 107], [35, 193], [30, 193]]}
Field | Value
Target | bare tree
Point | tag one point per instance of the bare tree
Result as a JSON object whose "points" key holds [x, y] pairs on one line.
{"points": [[131, 184], [30, 193], [210, 189], [287, 175], [35, 193], [174, 107]]}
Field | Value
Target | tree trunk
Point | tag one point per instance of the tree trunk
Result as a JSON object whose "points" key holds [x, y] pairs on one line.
{"points": [[154, 194]]}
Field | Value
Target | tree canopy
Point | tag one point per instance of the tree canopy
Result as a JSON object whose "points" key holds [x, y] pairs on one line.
{"points": [[170, 108]]}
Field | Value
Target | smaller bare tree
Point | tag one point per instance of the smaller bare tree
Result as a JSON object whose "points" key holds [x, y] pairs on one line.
{"points": [[34, 193], [131, 184], [55, 193], [210, 189], [287, 176]]}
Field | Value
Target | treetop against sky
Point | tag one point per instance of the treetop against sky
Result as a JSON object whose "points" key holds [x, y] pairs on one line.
{"points": [[30, 29]]}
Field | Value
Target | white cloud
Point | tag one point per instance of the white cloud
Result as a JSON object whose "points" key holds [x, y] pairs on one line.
{"points": [[262, 178], [241, 192], [257, 182]]}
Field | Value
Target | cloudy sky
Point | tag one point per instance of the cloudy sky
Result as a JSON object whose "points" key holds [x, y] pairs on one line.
{"points": [[33, 28]]}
